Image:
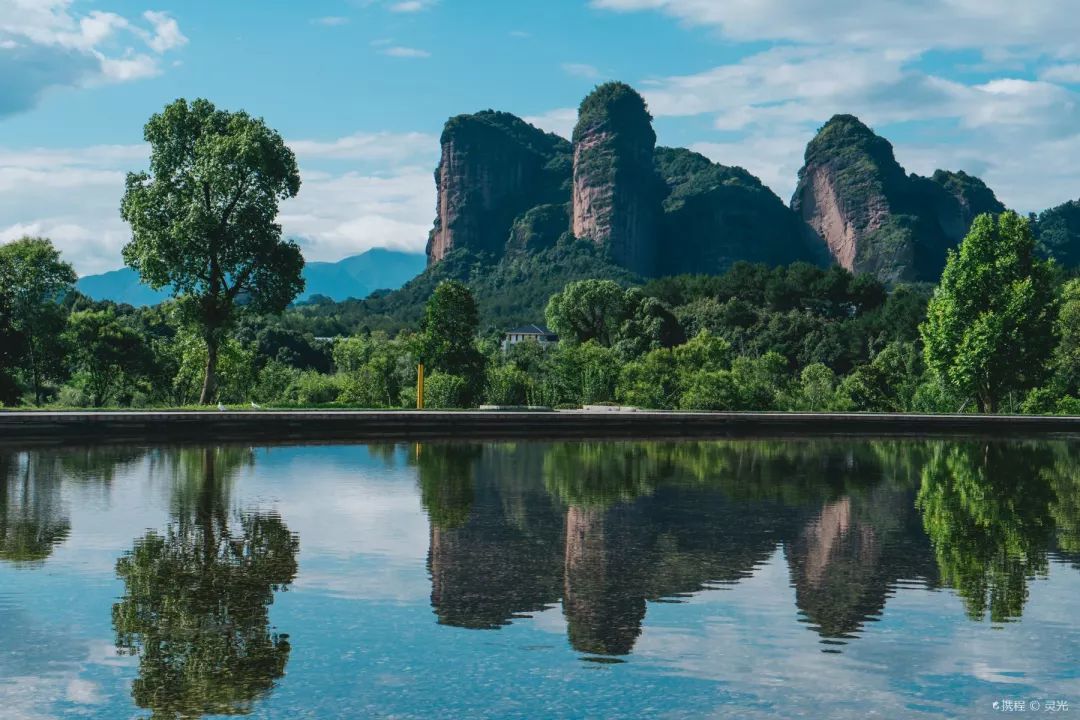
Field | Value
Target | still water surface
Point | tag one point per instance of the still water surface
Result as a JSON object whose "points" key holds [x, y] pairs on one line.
{"points": [[745, 579]]}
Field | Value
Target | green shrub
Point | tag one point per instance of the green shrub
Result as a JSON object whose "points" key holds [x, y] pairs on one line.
{"points": [[816, 389], [445, 391], [70, 396], [506, 385], [1068, 405], [651, 382], [710, 390], [314, 388], [273, 382]]}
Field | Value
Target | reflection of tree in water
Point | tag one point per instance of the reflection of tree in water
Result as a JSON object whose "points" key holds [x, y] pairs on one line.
{"points": [[446, 480], [96, 463], [196, 597], [601, 474], [986, 508], [1063, 474], [32, 518]]}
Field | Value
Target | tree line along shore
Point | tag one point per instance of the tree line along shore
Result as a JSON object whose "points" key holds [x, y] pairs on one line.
{"points": [[1000, 332]]}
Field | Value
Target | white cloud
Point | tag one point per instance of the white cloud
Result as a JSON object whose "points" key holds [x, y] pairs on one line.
{"points": [[400, 51], [411, 6], [800, 85], [952, 24], [45, 44], [331, 21], [71, 196], [130, 68], [342, 214], [560, 121], [84, 692], [768, 105], [167, 35], [369, 146], [383, 197], [581, 70], [1069, 73]]}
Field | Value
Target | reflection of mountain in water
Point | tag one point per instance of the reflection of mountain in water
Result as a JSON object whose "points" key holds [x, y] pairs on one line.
{"points": [[620, 524], [606, 527], [494, 549], [849, 557]]}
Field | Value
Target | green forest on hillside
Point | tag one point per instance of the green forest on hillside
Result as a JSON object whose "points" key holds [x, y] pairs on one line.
{"points": [[755, 338], [999, 332]]}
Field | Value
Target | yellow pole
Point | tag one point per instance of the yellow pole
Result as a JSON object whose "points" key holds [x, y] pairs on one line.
{"points": [[420, 386]]}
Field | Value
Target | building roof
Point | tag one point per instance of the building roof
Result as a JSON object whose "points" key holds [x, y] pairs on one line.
{"points": [[530, 330]]}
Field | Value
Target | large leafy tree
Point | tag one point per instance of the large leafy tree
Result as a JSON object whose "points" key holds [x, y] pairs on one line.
{"points": [[10, 342], [588, 310], [34, 279], [447, 340], [648, 325], [1066, 358], [202, 219], [990, 325]]}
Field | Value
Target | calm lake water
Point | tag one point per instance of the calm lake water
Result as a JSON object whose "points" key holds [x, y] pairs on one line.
{"points": [[748, 579]]}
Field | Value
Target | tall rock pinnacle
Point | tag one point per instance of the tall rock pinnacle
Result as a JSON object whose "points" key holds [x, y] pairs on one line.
{"points": [[616, 198]]}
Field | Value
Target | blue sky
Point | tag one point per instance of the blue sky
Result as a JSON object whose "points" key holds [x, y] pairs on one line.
{"points": [[360, 89]]}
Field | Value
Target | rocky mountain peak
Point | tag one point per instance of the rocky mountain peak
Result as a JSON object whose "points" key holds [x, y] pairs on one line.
{"points": [[872, 215], [616, 193], [493, 167]]}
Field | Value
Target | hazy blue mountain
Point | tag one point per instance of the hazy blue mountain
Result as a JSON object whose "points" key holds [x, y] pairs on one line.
{"points": [[356, 276], [121, 286], [360, 275]]}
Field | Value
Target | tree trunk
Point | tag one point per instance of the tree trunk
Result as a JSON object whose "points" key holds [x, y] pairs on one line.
{"points": [[35, 374], [209, 387]]}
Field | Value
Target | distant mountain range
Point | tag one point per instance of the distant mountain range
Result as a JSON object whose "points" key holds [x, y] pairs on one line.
{"points": [[354, 277]]}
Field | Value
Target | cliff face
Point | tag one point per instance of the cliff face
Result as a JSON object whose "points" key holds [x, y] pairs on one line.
{"points": [[616, 193], [849, 193], [538, 228], [970, 198], [875, 218], [508, 188], [494, 167], [714, 216]]}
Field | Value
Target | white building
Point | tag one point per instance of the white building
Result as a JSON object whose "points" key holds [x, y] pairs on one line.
{"points": [[535, 333]]}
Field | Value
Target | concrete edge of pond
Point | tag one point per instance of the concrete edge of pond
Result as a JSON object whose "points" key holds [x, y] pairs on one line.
{"points": [[344, 425]]}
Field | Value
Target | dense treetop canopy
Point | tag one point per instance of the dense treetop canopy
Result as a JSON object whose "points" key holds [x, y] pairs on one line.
{"points": [[615, 107]]}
